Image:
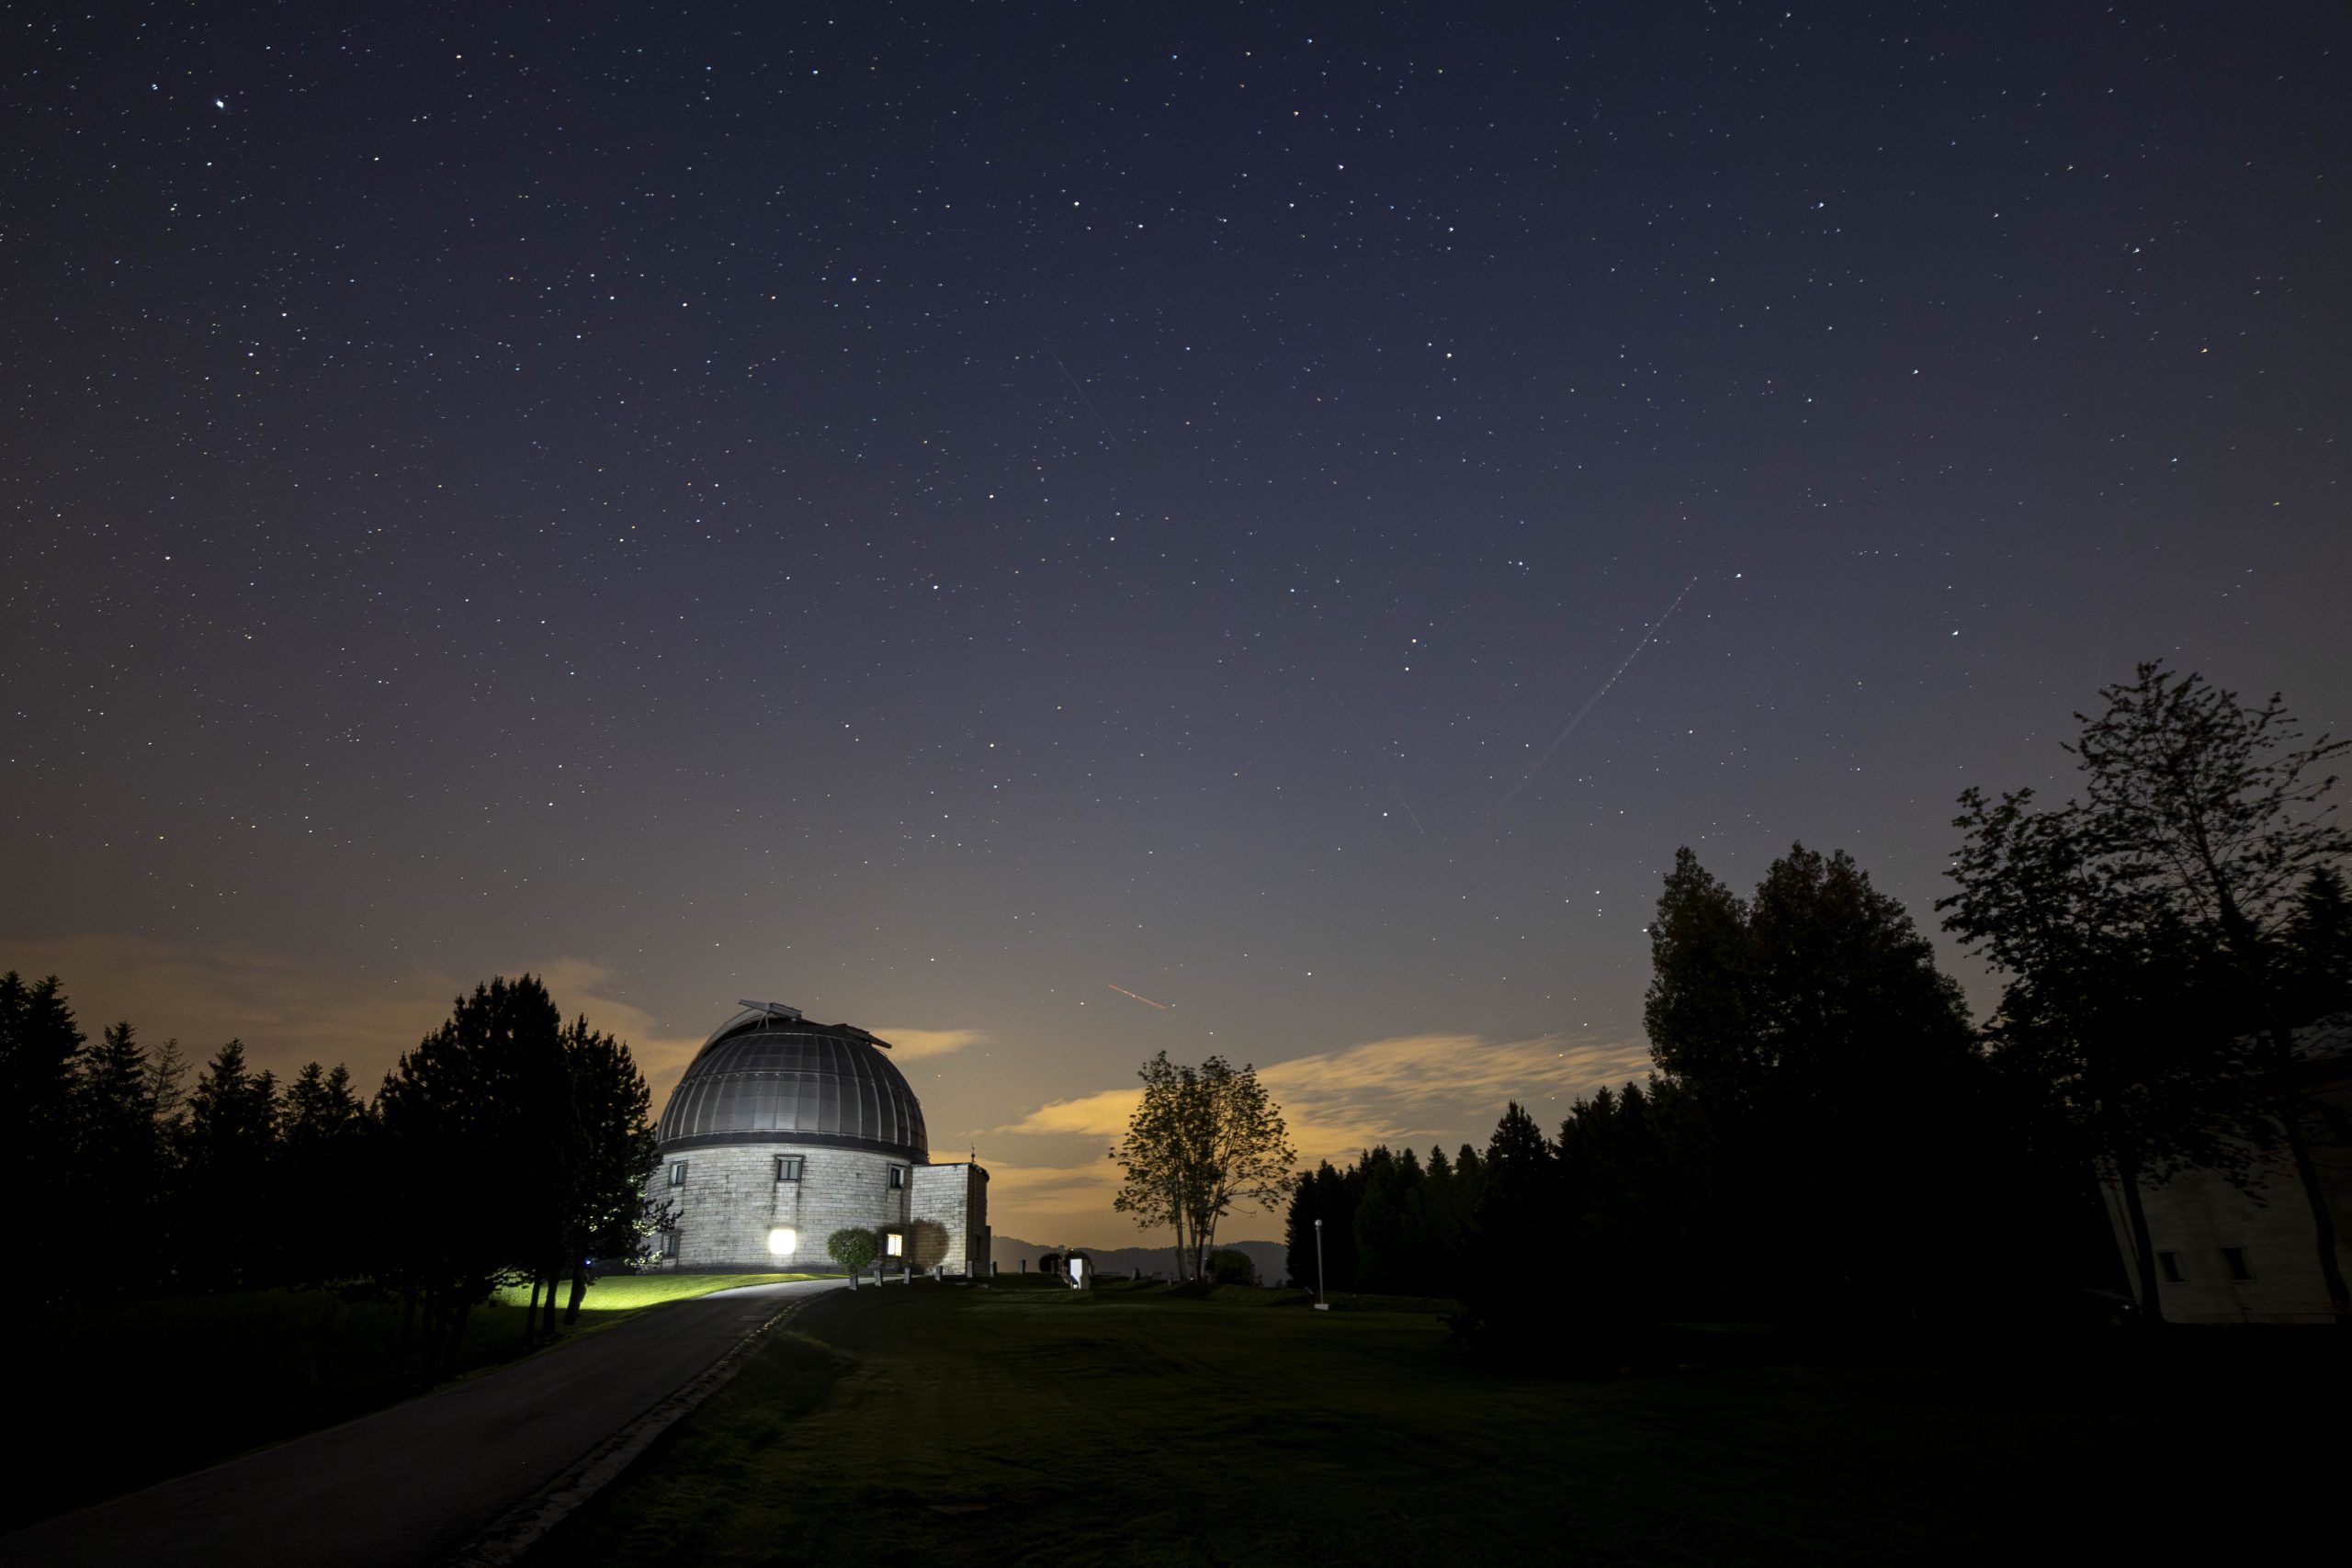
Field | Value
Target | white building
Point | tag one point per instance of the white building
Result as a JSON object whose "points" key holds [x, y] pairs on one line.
{"points": [[2226, 1255], [783, 1132]]}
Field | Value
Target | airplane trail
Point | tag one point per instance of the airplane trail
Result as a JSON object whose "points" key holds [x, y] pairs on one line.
{"points": [[1116, 444], [1394, 788], [1593, 701], [1164, 1007]]}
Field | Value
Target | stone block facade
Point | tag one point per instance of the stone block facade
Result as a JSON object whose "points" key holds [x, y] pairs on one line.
{"points": [[951, 1219], [728, 1202], [732, 1210]]}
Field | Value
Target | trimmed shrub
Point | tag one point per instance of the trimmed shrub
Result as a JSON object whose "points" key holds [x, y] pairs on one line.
{"points": [[854, 1249], [1228, 1266]]}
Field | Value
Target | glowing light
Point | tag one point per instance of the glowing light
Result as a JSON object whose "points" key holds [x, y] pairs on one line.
{"points": [[782, 1242], [895, 1245]]}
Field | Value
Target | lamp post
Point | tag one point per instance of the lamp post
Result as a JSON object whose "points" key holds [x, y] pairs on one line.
{"points": [[1320, 1304]]}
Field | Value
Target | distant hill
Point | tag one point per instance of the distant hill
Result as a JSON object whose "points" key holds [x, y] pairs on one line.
{"points": [[1011, 1252]]}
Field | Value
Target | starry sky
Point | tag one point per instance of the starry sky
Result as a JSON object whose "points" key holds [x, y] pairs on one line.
{"points": [[1055, 532]]}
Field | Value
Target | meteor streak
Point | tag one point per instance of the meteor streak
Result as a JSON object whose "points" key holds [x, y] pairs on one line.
{"points": [[1164, 1007], [1593, 701]]}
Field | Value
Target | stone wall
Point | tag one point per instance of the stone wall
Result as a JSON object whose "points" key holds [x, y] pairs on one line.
{"points": [[731, 1202], [951, 1219]]}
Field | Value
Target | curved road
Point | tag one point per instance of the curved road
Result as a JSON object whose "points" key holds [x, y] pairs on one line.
{"points": [[412, 1484]]}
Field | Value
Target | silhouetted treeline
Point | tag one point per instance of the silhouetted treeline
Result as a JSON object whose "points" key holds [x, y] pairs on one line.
{"points": [[508, 1147], [1823, 1139], [1826, 1137]]}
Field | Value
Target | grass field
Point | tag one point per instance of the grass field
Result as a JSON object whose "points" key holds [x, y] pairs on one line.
{"points": [[134, 1391], [617, 1295], [943, 1425]]}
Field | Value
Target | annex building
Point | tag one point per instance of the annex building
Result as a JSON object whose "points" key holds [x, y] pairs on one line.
{"points": [[2224, 1255], [783, 1132]]}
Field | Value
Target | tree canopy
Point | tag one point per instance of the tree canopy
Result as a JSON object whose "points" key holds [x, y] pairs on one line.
{"points": [[1202, 1139], [2163, 935]]}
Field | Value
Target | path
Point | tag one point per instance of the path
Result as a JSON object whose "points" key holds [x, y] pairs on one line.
{"points": [[410, 1485]]}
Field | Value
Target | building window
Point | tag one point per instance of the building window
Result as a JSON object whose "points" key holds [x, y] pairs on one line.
{"points": [[898, 1177], [670, 1242], [2234, 1259], [788, 1167], [678, 1173], [2169, 1264], [894, 1243]]}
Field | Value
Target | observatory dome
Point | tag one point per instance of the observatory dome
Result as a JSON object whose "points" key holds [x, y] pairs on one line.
{"points": [[768, 1076]]}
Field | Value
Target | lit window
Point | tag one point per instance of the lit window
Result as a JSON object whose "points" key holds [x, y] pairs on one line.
{"points": [[895, 1245], [2234, 1259], [782, 1242], [898, 1177], [2170, 1263], [678, 1173], [788, 1167]]}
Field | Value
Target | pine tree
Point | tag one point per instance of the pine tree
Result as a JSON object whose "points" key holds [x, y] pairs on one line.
{"points": [[323, 1160], [119, 1163], [40, 1043], [225, 1218]]}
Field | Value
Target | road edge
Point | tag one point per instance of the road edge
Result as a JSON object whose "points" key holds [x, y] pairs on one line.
{"points": [[505, 1539]]}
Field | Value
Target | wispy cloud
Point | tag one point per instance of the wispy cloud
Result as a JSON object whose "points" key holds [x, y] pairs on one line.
{"points": [[1428, 1086], [1405, 1089], [913, 1045], [1060, 1203], [1103, 1115], [580, 986]]}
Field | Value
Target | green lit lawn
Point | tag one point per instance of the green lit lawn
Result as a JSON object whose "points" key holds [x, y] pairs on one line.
{"points": [[634, 1293], [134, 1391], [942, 1425]]}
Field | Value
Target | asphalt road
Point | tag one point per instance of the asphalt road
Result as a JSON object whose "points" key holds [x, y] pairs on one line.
{"points": [[410, 1485]]}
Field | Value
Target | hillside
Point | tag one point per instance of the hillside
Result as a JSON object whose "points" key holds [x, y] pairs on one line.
{"points": [[1011, 1253]]}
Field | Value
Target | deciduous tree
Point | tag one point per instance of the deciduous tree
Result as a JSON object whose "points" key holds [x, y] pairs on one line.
{"points": [[617, 1152], [1813, 1032], [2106, 1002], [2217, 811], [1202, 1140]]}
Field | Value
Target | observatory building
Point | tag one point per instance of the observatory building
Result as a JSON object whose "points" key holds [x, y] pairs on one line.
{"points": [[783, 1132]]}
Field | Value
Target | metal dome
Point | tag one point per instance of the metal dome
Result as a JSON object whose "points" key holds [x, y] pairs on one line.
{"points": [[766, 1077]]}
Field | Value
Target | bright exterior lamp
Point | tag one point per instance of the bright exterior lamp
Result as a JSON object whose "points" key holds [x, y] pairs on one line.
{"points": [[783, 1243]]}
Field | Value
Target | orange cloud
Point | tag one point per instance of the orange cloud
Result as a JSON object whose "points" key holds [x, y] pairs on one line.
{"points": [[1415, 1089], [1103, 1115], [913, 1045]]}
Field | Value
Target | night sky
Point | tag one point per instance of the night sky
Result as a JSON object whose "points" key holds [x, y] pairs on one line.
{"points": [[930, 513]]}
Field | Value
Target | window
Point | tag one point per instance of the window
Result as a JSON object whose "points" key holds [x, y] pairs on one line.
{"points": [[678, 1173], [2234, 1259], [670, 1239], [898, 1177], [893, 1242], [2169, 1262], [788, 1167]]}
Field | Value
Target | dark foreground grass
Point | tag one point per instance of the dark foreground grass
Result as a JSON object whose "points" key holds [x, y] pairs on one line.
{"points": [[948, 1425], [130, 1393]]}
